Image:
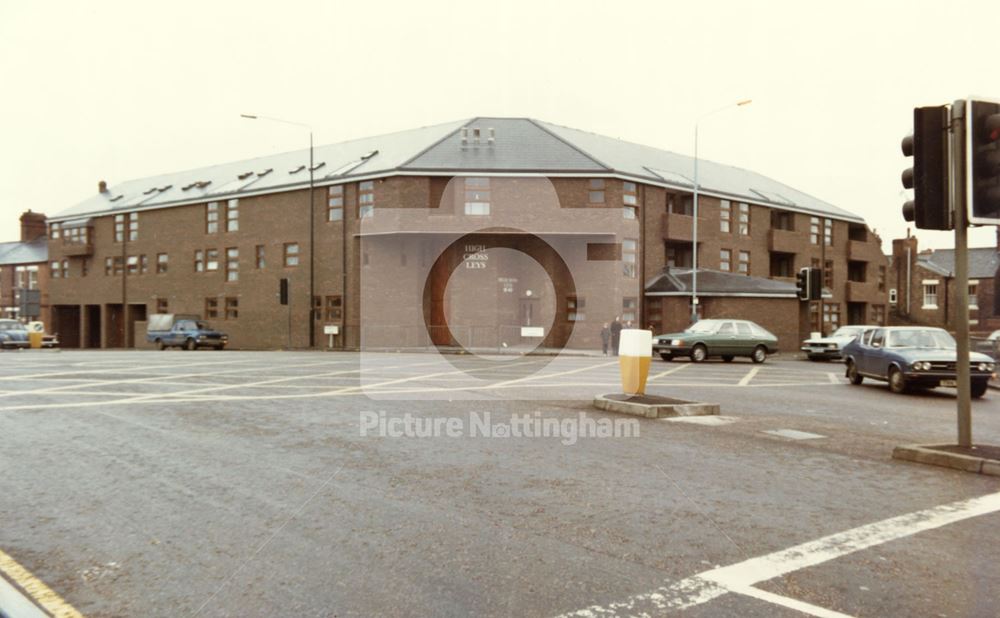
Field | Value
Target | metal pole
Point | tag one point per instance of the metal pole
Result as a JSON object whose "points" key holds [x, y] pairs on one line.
{"points": [[958, 204], [312, 250], [694, 236], [822, 274]]}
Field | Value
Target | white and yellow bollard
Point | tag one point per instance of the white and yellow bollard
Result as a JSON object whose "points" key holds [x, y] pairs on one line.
{"points": [[635, 350]]}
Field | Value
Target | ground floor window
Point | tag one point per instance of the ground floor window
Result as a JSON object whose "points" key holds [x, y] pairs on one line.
{"points": [[232, 308], [333, 308], [575, 308], [630, 309], [162, 305], [211, 308], [831, 316], [878, 314], [930, 295]]}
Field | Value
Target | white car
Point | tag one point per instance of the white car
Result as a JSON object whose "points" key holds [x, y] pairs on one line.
{"points": [[826, 348]]}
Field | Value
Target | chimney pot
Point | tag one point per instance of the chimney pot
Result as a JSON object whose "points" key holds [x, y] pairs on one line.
{"points": [[102, 187]]}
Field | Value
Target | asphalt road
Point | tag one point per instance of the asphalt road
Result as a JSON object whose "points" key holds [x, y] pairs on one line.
{"points": [[240, 484]]}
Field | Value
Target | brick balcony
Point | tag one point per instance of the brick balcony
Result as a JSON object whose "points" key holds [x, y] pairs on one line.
{"points": [[71, 249], [863, 251], [677, 227], [783, 241], [864, 292]]}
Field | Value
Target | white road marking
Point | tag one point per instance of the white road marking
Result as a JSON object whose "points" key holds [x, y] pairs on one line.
{"points": [[777, 599], [712, 420], [749, 376], [667, 372], [833, 378], [793, 434], [738, 577], [553, 375]]}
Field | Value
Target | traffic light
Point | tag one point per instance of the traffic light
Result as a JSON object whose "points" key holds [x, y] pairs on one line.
{"points": [[815, 284], [929, 175], [803, 283], [983, 133]]}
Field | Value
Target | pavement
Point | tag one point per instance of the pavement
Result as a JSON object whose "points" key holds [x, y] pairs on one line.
{"points": [[241, 484]]}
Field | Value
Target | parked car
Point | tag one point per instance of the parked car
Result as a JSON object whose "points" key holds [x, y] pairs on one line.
{"points": [[13, 334], [166, 330], [912, 357], [725, 338], [826, 348]]}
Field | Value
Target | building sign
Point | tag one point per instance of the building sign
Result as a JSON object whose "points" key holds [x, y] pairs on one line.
{"points": [[475, 257], [507, 284]]}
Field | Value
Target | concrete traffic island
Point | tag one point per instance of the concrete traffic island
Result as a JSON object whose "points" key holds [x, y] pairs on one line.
{"points": [[979, 458], [653, 406]]}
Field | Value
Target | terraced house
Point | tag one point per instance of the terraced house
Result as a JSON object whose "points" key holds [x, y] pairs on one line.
{"points": [[460, 234]]}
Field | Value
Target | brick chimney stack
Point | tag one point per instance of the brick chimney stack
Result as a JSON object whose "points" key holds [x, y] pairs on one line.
{"points": [[102, 187], [32, 225]]}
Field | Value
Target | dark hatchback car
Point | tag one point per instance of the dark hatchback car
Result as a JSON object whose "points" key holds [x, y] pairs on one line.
{"points": [[721, 337], [912, 357]]}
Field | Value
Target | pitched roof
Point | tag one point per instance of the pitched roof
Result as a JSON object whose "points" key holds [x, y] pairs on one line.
{"points": [[29, 252], [522, 145], [983, 262], [677, 282]]}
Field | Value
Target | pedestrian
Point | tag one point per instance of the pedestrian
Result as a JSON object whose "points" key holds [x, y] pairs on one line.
{"points": [[616, 333], [605, 338]]}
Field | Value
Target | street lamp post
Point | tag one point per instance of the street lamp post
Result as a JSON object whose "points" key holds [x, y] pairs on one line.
{"points": [[312, 223], [694, 229]]}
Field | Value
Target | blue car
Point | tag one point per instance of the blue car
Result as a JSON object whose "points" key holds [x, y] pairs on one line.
{"points": [[13, 334], [912, 357]]}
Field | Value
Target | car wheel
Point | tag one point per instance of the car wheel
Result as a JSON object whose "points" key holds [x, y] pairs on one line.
{"points": [[759, 354], [160, 345], [897, 383], [979, 389], [666, 357], [190, 344], [814, 358], [699, 353], [727, 358], [852, 373]]}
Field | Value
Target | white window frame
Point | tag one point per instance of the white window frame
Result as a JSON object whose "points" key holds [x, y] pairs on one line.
{"points": [[924, 284]]}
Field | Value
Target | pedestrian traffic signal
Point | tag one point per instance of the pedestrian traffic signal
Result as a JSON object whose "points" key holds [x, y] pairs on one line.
{"points": [[928, 177], [983, 133], [803, 283]]}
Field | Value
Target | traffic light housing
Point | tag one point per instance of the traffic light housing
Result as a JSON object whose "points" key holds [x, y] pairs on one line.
{"points": [[928, 177], [809, 284], [983, 135], [802, 283]]}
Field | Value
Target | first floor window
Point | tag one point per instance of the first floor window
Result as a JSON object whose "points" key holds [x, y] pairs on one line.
{"points": [[107, 266], [232, 308], [133, 264], [162, 305], [56, 270], [211, 308], [335, 203], [292, 254], [725, 216], [629, 309], [744, 262], [596, 195], [973, 296], [744, 219], [259, 257], [930, 295], [232, 264], [199, 261], [725, 260], [211, 259], [161, 263], [629, 257], [233, 215], [575, 308], [366, 199], [143, 264]]}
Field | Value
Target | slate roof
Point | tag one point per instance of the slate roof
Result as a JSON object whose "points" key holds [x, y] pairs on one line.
{"points": [[983, 262], [522, 145], [30, 252], [677, 282]]}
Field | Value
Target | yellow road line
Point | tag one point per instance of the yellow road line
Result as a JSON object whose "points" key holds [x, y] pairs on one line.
{"points": [[41, 594]]}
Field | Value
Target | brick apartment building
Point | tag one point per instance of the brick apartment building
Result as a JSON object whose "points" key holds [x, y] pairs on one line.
{"points": [[923, 286], [24, 274], [455, 234]]}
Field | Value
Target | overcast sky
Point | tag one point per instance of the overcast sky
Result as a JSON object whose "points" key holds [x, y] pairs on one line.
{"points": [[112, 90]]}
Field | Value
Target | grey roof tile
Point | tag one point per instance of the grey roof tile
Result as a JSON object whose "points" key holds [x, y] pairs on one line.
{"points": [[983, 262], [31, 252], [717, 283], [522, 145]]}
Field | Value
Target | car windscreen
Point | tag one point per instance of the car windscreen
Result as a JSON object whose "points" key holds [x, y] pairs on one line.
{"points": [[203, 326], [921, 338], [12, 326], [846, 331], [703, 326]]}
